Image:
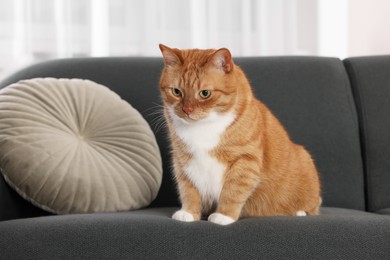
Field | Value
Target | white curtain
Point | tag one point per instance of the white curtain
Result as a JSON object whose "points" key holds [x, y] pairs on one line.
{"points": [[37, 30]]}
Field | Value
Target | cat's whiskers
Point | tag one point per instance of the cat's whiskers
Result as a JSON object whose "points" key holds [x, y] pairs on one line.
{"points": [[157, 117]]}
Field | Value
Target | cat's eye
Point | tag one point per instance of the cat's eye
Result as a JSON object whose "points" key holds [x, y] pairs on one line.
{"points": [[176, 92], [205, 94]]}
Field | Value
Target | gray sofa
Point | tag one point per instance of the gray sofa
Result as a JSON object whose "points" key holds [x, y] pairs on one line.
{"points": [[338, 109]]}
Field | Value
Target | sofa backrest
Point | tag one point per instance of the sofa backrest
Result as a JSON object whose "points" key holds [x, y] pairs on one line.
{"points": [[310, 95], [370, 79]]}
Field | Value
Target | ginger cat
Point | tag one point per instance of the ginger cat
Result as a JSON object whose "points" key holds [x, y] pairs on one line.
{"points": [[231, 156]]}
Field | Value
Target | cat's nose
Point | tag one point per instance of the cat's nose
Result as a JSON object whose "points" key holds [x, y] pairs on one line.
{"points": [[188, 110]]}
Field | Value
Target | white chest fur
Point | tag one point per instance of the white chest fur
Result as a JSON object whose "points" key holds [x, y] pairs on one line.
{"points": [[205, 171]]}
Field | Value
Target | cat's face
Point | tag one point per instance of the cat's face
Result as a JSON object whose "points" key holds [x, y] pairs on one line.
{"points": [[195, 84]]}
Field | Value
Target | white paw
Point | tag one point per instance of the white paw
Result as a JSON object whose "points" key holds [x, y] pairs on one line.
{"points": [[183, 215], [220, 219], [301, 213]]}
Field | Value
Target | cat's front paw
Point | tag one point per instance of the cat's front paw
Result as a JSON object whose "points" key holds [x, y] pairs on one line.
{"points": [[183, 215], [220, 219]]}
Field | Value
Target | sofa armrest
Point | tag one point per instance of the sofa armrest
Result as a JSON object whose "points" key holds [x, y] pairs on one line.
{"points": [[12, 206], [370, 81]]}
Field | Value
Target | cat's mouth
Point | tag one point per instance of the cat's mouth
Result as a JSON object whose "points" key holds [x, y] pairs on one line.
{"points": [[190, 118], [185, 118]]}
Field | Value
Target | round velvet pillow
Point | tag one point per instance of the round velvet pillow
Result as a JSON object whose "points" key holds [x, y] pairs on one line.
{"points": [[74, 146]]}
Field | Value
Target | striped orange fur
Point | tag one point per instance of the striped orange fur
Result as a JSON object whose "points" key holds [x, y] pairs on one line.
{"points": [[232, 158]]}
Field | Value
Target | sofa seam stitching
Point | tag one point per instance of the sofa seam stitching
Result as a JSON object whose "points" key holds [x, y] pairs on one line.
{"points": [[362, 129]]}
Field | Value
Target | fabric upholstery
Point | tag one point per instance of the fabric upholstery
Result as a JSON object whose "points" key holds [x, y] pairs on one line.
{"points": [[14, 206], [152, 234], [370, 79], [385, 211], [74, 146]]}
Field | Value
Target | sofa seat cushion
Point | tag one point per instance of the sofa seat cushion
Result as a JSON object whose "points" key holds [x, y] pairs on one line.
{"points": [[151, 233], [74, 146]]}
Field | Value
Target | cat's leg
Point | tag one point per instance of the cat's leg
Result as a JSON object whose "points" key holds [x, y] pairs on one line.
{"points": [[183, 215], [316, 210], [240, 182], [301, 213], [221, 219], [190, 199]]}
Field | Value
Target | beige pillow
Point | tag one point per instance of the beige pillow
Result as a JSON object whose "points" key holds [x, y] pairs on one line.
{"points": [[74, 146]]}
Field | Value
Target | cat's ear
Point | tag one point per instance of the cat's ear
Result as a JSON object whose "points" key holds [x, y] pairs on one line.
{"points": [[222, 60], [169, 55]]}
